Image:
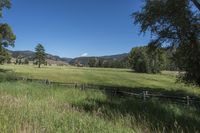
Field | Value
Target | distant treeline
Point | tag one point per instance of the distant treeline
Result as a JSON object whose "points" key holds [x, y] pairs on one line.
{"points": [[109, 63], [141, 59]]}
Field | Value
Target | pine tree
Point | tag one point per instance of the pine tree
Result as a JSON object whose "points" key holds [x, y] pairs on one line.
{"points": [[40, 54]]}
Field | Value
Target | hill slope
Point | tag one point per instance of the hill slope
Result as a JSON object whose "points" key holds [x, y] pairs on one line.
{"points": [[54, 59], [30, 55], [85, 60]]}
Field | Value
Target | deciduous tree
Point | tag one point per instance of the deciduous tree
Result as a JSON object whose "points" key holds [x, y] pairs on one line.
{"points": [[174, 23]]}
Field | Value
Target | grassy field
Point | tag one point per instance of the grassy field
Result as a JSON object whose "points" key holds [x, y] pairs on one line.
{"points": [[165, 82], [27, 107], [33, 107]]}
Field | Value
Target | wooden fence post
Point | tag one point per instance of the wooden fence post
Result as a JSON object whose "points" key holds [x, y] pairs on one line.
{"points": [[47, 82], [24, 79], [82, 86], [115, 92], [144, 95], [75, 85], [188, 100]]}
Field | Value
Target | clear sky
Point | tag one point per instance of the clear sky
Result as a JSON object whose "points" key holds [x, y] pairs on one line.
{"points": [[71, 28]]}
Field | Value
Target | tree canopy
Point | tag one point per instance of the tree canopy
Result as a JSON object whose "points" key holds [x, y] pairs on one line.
{"points": [[144, 60], [176, 24], [4, 4], [7, 37]]}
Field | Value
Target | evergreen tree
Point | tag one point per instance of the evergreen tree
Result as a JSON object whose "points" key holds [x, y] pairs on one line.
{"points": [[40, 54], [7, 38]]}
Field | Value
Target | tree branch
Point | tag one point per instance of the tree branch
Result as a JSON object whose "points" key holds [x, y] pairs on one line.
{"points": [[196, 3]]}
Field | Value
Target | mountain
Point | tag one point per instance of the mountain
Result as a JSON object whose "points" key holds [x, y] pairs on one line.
{"points": [[30, 55], [115, 57], [85, 60], [54, 59]]}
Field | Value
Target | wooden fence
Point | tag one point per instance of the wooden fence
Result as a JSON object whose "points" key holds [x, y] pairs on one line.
{"points": [[122, 92]]}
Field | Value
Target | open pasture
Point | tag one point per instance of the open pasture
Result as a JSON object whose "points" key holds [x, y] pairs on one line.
{"points": [[165, 82], [34, 107]]}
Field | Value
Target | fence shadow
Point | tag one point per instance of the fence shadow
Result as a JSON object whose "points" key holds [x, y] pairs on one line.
{"points": [[159, 116], [117, 89], [151, 90]]}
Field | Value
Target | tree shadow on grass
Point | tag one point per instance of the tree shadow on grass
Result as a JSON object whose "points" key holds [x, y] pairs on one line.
{"points": [[176, 92], [164, 117], [7, 75], [5, 70]]}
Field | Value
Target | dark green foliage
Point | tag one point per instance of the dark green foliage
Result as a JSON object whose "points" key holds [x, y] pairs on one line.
{"points": [[40, 55], [7, 38], [26, 61], [190, 62], [139, 60], [174, 23], [146, 60], [2, 59], [4, 4], [92, 62], [170, 59], [109, 63], [5, 57], [112, 61], [100, 63]]}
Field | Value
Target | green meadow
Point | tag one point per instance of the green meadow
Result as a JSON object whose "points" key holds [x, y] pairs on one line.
{"points": [[27, 107], [165, 82]]}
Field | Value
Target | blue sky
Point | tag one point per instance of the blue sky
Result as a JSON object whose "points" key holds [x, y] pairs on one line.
{"points": [[71, 28]]}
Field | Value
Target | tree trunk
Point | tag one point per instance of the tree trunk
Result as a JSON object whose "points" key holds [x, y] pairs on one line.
{"points": [[39, 65]]}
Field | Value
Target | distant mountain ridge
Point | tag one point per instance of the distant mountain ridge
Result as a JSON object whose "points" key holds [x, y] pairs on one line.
{"points": [[30, 55], [83, 60], [117, 56]]}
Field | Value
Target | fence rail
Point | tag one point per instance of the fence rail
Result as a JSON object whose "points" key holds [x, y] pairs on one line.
{"points": [[119, 91]]}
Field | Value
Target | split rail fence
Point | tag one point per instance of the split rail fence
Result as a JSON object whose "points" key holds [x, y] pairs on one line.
{"points": [[122, 92]]}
